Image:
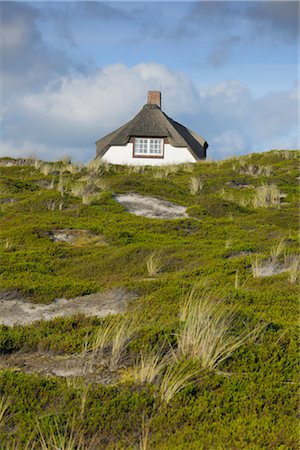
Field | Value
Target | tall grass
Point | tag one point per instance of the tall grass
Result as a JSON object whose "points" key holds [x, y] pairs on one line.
{"points": [[149, 367], [277, 250], [196, 185], [144, 440], [205, 334], [256, 170], [104, 335], [77, 189], [61, 437], [4, 405], [62, 185], [177, 376], [114, 336], [97, 165], [256, 266], [120, 340], [154, 264], [294, 270], [266, 195], [197, 291]]}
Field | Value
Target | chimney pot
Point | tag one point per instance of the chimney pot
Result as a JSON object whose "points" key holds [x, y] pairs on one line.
{"points": [[154, 98]]}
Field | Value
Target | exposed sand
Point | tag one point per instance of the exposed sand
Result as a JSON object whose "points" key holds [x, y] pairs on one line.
{"points": [[17, 310], [150, 207], [49, 364], [76, 237]]}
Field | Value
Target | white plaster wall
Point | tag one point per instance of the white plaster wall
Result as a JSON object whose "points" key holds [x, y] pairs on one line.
{"points": [[123, 155]]}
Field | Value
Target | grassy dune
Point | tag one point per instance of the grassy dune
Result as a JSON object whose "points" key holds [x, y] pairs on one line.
{"points": [[205, 357]]}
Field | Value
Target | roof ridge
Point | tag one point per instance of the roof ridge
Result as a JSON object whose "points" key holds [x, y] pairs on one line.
{"points": [[151, 121]]}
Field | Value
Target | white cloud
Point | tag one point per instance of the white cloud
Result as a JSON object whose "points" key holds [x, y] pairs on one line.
{"points": [[69, 115]]}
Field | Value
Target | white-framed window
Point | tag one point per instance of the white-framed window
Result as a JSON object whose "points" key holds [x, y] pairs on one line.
{"points": [[148, 147]]}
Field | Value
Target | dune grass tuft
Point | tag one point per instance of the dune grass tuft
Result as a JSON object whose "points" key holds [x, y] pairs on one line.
{"points": [[196, 185], [149, 367], [205, 334], [154, 264], [266, 195], [177, 376]]}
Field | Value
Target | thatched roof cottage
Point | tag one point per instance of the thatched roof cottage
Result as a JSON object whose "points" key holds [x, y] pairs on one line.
{"points": [[152, 138]]}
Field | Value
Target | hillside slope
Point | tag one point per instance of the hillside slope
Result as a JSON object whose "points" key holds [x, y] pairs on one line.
{"points": [[205, 355]]}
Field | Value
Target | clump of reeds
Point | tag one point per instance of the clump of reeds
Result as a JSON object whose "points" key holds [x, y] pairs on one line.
{"points": [[62, 185], [277, 250], [205, 334], [67, 437], [145, 431], [51, 185], [77, 189], [267, 195], [196, 185], [159, 174], [256, 266], [97, 165], [176, 377], [8, 244], [120, 340], [255, 170], [294, 269], [154, 264], [149, 366], [114, 336], [4, 405], [187, 167]]}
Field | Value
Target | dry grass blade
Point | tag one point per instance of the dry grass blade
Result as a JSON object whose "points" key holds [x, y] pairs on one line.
{"points": [[294, 270], [205, 334], [154, 264], [256, 266], [149, 367], [104, 334], [196, 185], [277, 250], [266, 195], [4, 405], [236, 280], [77, 189], [120, 340], [144, 441], [115, 333], [69, 438], [176, 377], [197, 291]]}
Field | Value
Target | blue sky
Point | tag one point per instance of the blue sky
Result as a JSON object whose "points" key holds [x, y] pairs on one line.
{"points": [[72, 72]]}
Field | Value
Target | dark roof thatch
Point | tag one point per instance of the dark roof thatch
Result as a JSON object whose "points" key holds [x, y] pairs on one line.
{"points": [[152, 122]]}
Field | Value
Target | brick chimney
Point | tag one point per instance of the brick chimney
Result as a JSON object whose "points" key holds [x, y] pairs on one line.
{"points": [[154, 97]]}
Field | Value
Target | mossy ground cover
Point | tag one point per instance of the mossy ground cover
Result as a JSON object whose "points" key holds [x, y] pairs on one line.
{"points": [[249, 401]]}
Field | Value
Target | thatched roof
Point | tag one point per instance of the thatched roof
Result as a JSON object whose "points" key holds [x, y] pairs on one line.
{"points": [[152, 122]]}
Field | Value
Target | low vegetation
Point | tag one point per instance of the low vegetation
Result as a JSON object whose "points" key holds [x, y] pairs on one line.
{"points": [[205, 355]]}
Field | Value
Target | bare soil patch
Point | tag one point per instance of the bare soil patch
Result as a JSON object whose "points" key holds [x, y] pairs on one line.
{"points": [[151, 207], [83, 365], [15, 310], [269, 269], [76, 237]]}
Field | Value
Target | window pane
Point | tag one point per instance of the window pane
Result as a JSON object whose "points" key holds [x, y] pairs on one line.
{"points": [[144, 146]]}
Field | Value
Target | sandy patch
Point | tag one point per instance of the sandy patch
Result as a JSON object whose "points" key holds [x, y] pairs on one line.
{"points": [[269, 269], [76, 237], [50, 364], [15, 310], [150, 207]]}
